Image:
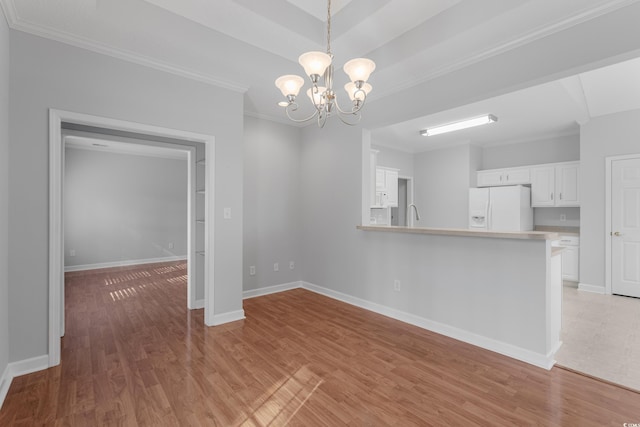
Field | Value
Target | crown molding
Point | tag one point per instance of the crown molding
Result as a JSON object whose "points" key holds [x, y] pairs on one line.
{"points": [[9, 9], [18, 24], [531, 36]]}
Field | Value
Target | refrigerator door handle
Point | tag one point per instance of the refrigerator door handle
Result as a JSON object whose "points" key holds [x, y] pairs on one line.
{"points": [[489, 214]]}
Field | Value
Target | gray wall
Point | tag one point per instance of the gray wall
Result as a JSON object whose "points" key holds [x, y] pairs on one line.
{"points": [[122, 207], [552, 150], [612, 135], [4, 193], [441, 189], [272, 203], [364, 264], [397, 159], [46, 74]]}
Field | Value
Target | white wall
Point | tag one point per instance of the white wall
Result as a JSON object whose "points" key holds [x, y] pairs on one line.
{"points": [[46, 74], [441, 186], [4, 196], [611, 135], [390, 158], [122, 207], [548, 150], [272, 203], [363, 265]]}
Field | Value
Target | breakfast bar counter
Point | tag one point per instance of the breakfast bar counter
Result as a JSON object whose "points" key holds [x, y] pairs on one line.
{"points": [[498, 290]]}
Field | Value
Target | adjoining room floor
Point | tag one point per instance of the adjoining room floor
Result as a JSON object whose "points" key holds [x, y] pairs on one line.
{"points": [[134, 355], [601, 336]]}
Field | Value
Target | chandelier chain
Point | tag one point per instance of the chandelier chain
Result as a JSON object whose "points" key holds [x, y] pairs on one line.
{"points": [[329, 27]]}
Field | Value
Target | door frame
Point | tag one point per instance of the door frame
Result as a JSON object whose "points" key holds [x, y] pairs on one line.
{"points": [[608, 271], [409, 180], [56, 214]]}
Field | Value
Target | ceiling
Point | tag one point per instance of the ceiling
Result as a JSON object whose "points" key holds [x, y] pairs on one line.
{"points": [[244, 45], [545, 111]]}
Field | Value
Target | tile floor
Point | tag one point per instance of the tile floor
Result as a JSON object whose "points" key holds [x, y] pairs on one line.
{"points": [[601, 336]]}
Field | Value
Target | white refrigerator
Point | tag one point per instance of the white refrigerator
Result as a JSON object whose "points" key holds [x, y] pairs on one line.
{"points": [[501, 208]]}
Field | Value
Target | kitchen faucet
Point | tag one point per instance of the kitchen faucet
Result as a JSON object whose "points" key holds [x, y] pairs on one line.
{"points": [[415, 208]]}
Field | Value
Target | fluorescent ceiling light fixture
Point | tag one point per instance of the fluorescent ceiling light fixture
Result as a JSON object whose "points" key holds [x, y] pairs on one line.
{"points": [[463, 124]]}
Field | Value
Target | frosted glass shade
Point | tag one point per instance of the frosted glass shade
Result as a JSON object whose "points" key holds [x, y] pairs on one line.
{"points": [[314, 62], [289, 84], [317, 98], [354, 93], [359, 69]]}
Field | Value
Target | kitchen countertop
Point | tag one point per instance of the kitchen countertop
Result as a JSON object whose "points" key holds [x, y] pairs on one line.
{"points": [[522, 235], [567, 231]]}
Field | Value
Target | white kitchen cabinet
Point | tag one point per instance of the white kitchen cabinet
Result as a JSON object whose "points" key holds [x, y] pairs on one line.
{"points": [[570, 263], [497, 177], [570, 256], [391, 178], [555, 185], [381, 183], [567, 185], [543, 186], [386, 187]]}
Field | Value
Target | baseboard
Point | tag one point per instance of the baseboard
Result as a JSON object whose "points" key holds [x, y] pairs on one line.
{"points": [[232, 316], [253, 293], [591, 288], [22, 367], [199, 303], [524, 355], [5, 383], [122, 263]]}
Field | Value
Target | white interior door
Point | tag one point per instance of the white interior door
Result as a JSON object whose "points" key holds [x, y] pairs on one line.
{"points": [[625, 227]]}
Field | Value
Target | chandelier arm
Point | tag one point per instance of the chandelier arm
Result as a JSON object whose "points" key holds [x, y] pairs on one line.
{"points": [[298, 120], [359, 116], [354, 110], [315, 91]]}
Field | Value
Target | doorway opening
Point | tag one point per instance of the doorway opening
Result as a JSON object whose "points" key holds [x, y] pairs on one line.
{"points": [[59, 120], [400, 215]]}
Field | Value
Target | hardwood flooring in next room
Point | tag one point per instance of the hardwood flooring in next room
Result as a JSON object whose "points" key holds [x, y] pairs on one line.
{"points": [[134, 355]]}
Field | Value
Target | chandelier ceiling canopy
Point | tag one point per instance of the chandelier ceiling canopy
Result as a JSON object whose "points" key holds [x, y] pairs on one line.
{"points": [[323, 97]]}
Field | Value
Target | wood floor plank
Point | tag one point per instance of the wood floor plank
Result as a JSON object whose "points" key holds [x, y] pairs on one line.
{"points": [[133, 355]]}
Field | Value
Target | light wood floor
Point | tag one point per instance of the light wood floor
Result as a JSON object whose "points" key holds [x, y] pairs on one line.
{"points": [[134, 355]]}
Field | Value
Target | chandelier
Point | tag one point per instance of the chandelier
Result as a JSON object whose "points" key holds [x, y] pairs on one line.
{"points": [[323, 97]]}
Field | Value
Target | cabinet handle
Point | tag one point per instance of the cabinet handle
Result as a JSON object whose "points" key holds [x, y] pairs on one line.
{"points": [[507, 177], [500, 178], [551, 196], [560, 196]]}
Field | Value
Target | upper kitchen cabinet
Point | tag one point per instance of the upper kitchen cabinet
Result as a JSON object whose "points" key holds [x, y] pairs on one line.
{"points": [[567, 184], [497, 177], [386, 187], [555, 185]]}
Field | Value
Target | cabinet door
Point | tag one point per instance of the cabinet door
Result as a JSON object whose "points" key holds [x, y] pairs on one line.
{"points": [[543, 186], [567, 186], [517, 176], [380, 180], [391, 180], [570, 264], [490, 178]]}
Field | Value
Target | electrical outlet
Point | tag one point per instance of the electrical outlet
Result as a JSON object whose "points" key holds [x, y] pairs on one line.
{"points": [[292, 265], [72, 252], [252, 270], [563, 217], [396, 285], [170, 245], [227, 213], [276, 267]]}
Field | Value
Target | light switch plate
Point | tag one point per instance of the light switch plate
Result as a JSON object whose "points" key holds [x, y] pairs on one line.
{"points": [[227, 213]]}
